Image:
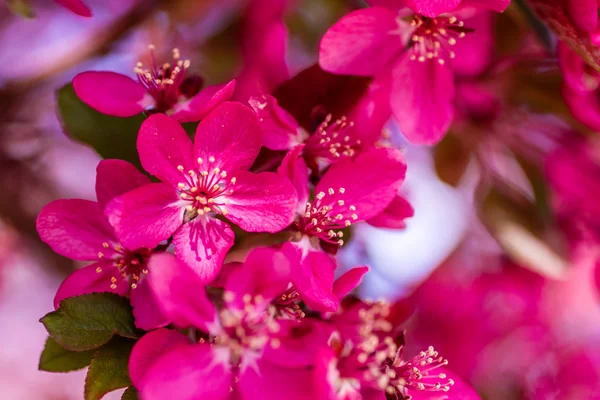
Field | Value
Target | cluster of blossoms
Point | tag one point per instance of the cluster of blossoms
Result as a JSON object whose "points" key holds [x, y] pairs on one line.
{"points": [[277, 324]]}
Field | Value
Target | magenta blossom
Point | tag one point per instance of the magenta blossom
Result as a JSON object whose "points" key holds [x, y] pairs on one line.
{"points": [[584, 14], [364, 360], [349, 192], [161, 89], [201, 181], [76, 6], [234, 352], [333, 139], [422, 51], [78, 229], [581, 87]]}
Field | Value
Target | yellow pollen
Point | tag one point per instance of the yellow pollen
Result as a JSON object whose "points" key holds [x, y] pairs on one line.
{"points": [[342, 190], [180, 168], [199, 160], [352, 208], [181, 185], [133, 285], [105, 245], [331, 191], [113, 286], [100, 254], [211, 159], [194, 189], [98, 270]]}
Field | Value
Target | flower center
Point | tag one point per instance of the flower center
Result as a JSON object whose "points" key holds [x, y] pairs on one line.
{"points": [[205, 189], [433, 38], [330, 141], [327, 215], [246, 330], [163, 82], [132, 265], [287, 305]]}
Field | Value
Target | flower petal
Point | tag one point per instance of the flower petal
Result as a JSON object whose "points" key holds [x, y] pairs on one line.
{"points": [[366, 186], [76, 6], [164, 147], [203, 103], [280, 131], [149, 348], [146, 216], [349, 281], [88, 280], [146, 311], [202, 244], [459, 390], [312, 276], [179, 293], [501, 5], [394, 215], [75, 229], [584, 14], [475, 52], [116, 177], [270, 381], [110, 93], [294, 168], [361, 43], [188, 373], [432, 8], [264, 202], [421, 100], [230, 134], [265, 273]]}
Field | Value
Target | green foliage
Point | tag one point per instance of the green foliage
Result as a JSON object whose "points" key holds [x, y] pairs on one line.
{"points": [[108, 370], [130, 394], [56, 358], [89, 321], [111, 137]]}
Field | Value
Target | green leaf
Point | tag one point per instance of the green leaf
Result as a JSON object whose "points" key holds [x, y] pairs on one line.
{"points": [[88, 321], [108, 370], [56, 358], [111, 137], [130, 394]]}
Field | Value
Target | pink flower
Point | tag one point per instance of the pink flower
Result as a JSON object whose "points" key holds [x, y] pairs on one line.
{"points": [[78, 229], [199, 182], [234, 351], [433, 8], [349, 192], [583, 14], [422, 51], [163, 88], [333, 139], [580, 87], [364, 360], [76, 6]]}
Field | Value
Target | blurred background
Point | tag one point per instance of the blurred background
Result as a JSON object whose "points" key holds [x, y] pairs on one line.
{"points": [[498, 269]]}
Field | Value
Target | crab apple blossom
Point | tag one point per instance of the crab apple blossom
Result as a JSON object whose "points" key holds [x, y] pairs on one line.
{"points": [[200, 182], [363, 359], [235, 352], [160, 89], [78, 229], [423, 54], [340, 201]]}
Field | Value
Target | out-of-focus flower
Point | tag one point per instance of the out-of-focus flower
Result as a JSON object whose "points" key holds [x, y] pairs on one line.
{"points": [[583, 14], [423, 54], [236, 354], [162, 88], [78, 229], [340, 201], [580, 87], [433, 8], [199, 182], [76, 6]]}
